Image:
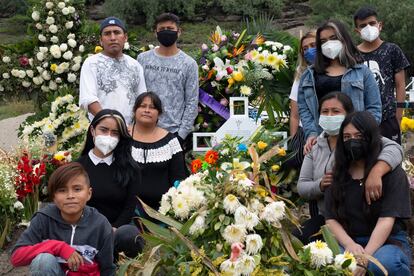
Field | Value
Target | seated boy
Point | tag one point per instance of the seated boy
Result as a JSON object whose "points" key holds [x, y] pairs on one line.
{"points": [[67, 237]]}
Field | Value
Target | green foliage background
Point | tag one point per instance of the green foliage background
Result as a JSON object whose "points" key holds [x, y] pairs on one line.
{"points": [[396, 17]]}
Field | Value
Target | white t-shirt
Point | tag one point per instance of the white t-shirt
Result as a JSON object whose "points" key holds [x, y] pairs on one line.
{"points": [[113, 82], [294, 94]]}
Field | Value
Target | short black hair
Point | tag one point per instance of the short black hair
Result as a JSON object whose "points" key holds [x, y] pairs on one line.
{"points": [[156, 101], [344, 99], [62, 175], [364, 13], [166, 17]]}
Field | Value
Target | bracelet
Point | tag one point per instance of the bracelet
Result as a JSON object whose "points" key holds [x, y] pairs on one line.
{"points": [[405, 104]]}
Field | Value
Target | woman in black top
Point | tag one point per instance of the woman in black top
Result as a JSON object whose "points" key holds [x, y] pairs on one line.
{"points": [[156, 150], [114, 176], [377, 229]]}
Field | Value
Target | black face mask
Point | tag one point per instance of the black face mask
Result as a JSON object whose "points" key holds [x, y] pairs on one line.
{"points": [[167, 37], [356, 149]]}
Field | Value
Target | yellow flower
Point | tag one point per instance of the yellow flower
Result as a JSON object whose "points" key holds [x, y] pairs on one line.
{"points": [[404, 125], [98, 49], [254, 54], [320, 244], [271, 60], [261, 145], [238, 76], [262, 192], [59, 157], [230, 81], [53, 67], [275, 168], [410, 124], [282, 152], [245, 90], [261, 58]]}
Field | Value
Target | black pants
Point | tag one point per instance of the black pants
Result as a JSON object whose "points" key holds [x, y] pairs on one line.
{"points": [[391, 129], [309, 228]]}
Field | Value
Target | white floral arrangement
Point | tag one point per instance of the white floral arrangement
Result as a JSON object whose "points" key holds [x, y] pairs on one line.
{"points": [[66, 122]]}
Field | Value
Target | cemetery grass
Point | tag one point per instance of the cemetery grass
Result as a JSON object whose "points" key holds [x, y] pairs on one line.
{"points": [[15, 108]]}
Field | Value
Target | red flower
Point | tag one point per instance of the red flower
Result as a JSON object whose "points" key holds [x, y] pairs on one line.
{"points": [[211, 157], [229, 70], [24, 61], [196, 165]]}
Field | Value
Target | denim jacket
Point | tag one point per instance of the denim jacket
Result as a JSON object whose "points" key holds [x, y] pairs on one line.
{"points": [[357, 82]]}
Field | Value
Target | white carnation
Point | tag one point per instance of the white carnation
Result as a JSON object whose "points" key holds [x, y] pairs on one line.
{"points": [[81, 48], [65, 11], [68, 55], [49, 5], [29, 73], [1, 88], [321, 254], [69, 25], [71, 36], [5, 75], [41, 38], [64, 65], [126, 46], [72, 42], [43, 49], [52, 85], [51, 13], [46, 75], [77, 59], [38, 26], [22, 74], [61, 5], [37, 80], [53, 29], [45, 65], [35, 16], [18, 205], [230, 203], [254, 244], [71, 9], [39, 69], [26, 83], [63, 47], [55, 51], [71, 77], [76, 67], [15, 73], [58, 80], [40, 56], [54, 39], [59, 69], [50, 20], [273, 212], [6, 59], [45, 88], [234, 233]]}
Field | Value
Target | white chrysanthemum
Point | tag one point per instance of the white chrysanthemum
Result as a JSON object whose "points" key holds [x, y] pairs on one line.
{"points": [[41, 38], [165, 205], [81, 48], [55, 51], [321, 254], [68, 55], [15, 73], [49, 5], [71, 9], [255, 206], [230, 204], [46, 75], [18, 205], [71, 77], [341, 258], [234, 233], [254, 244], [63, 47], [45, 65], [75, 67], [180, 206], [246, 218], [61, 5], [273, 212], [38, 26], [53, 29], [65, 11], [6, 59], [199, 224], [50, 20], [26, 84], [72, 42], [54, 39], [69, 25], [245, 90], [245, 265], [228, 267], [53, 85], [6, 75], [35, 15], [29, 73], [126, 46]]}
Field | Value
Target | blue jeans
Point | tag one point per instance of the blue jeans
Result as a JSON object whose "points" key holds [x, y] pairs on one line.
{"points": [[395, 259], [45, 264]]}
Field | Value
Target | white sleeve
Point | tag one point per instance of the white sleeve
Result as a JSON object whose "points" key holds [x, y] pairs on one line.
{"points": [[294, 91], [88, 89], [141, 86]]}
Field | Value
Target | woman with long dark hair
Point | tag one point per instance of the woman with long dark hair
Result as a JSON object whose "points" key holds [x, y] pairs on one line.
{"points": [[337, 68], [377, 229], [114, 176], [316, 173]]}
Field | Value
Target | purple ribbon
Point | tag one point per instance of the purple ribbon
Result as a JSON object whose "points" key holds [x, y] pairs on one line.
{"points": [[209, 101]]}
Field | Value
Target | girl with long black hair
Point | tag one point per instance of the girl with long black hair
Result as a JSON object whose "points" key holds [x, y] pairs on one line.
{"points": [[377, 229]]}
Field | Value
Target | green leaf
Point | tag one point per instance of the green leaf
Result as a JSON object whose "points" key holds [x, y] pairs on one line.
{"points": [[158, 230], [186, 227], [330, 240], [308, 273], [122, 270], [158, 216], [346, 263], [217, 225]]}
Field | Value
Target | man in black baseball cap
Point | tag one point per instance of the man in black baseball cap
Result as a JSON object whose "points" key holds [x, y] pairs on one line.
{"points": [[113, 36], [112, 21]]}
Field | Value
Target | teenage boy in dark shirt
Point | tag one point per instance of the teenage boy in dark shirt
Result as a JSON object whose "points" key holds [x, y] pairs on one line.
{"points": [[388, 63]]}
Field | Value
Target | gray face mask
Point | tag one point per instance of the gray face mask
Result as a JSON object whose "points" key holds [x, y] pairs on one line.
{"points": [[331, 124], [105, 143]]}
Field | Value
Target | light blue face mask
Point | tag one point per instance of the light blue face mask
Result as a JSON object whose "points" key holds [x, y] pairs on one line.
{"points": [[331, 124]]}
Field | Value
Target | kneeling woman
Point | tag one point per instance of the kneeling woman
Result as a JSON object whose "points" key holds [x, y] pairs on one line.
{"points": [[114, 177], [377, 229]]}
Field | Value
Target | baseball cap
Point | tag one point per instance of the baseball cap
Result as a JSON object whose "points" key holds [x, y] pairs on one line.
{"points": [[112, 21]]}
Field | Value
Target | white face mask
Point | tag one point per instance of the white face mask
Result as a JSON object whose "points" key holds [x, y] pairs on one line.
{"points": [[370, 33], [331, 124], [332, 48], [105, 143]]}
